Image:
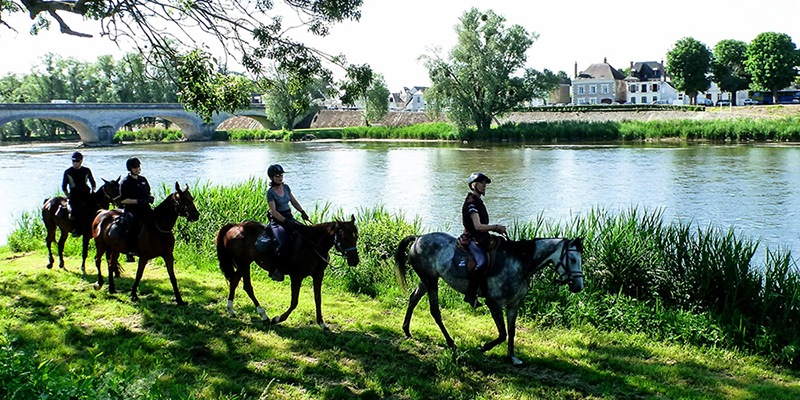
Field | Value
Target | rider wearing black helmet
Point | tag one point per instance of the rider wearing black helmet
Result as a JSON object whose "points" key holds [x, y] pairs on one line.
{"points": [[134, 190], [476, 231], [75, 185], [279, 196]]}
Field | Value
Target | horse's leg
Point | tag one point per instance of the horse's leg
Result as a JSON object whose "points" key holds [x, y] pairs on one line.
{"points": [[433, 299], [247, 283], [98, 262], [61, 241], [296, 283], [416, 296], [139, 273], [318, 300], [169, 261], [511, 315], [112, 258], [497, 316], [85, 252], [51, 237]]}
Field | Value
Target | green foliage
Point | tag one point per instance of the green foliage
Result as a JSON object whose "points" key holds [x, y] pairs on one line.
{"points": [[376, 100], [772, 61], [728, 66], [149, 135], [206, 91], [688, 63], [479, 80], [288, 100]]}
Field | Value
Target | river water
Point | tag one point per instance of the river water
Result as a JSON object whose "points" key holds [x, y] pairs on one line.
{"points": [[754, 188]]}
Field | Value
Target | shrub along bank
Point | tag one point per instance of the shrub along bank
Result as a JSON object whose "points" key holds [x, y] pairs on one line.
{"points": [[669, 280], [737, 130]]}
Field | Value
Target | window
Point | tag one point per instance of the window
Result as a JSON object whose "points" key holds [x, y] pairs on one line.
{"points": [[605, 89], [593, 101], [580, 90], [633, 100], [644, 87], [581, 101], [655, 99], [654, 87], [592, 89], [644, 99], [632, 88]]}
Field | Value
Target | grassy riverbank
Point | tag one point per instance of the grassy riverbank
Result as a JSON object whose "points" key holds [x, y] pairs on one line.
{"points": [[737, 130], [670, 310]]}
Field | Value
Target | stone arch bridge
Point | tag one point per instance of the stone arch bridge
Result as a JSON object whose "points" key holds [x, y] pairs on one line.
{"points": [[97, 123]]}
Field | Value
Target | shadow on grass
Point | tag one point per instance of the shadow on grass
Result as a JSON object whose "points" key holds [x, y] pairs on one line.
{"points": [[198, 347]]}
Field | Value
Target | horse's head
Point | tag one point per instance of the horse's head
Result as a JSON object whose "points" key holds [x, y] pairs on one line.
{"points": [[184, 203], [111, 189], [568, 266], [345, 236]]}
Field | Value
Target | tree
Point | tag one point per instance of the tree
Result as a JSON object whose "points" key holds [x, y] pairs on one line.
{"points": [[288, 100], [688, 63], [169, 33], [376, 100], [772, 60], [728, 67], [477, 82]]}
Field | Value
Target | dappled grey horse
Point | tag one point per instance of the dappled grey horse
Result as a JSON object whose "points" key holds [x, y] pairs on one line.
{"points": [[507, 281]]}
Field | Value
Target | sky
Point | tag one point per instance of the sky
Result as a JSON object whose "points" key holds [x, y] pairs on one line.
{"points": [[391, 36]]}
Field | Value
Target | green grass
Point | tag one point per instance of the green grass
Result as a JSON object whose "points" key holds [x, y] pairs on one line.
{"points": [[670, 310], [63, 338]]}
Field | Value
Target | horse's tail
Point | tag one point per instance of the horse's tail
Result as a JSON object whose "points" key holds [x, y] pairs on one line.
{"points": [[223, 255], [400, 259]]}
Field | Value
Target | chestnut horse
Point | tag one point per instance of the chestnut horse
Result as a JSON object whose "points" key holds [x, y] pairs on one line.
{"points": [[155, 239], [54, 213], [309, 257]]}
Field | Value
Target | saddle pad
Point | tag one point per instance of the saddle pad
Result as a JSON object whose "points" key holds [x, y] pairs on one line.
{"points": [[463, 262]]}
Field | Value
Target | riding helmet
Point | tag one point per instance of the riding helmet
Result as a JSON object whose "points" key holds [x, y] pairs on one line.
{"points": [[477, 177], [274, 169], [132, 163], [77, 156]]}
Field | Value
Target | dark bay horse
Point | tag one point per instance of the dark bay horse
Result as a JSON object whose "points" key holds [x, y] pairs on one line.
{"points": [[55, 215], [155, 239], [309, 257], [507, 280]]}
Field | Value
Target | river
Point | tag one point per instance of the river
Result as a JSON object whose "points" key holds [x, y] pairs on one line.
{"points": [[754, 188]]}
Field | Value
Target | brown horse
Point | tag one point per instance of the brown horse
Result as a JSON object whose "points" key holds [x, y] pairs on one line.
{"points": [[309, 257], [155, 239], [54, 213]]}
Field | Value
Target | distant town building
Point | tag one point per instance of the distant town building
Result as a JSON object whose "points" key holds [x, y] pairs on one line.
{"points": [[648, 83], [598, 84], [410, 99]]}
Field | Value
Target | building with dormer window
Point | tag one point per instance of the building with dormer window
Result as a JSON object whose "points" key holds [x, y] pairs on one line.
{"points": [[598, 84]]}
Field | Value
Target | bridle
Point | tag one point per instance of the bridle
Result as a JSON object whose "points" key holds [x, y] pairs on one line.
{"points": [[181, 209], [337, 244], [568, 275]]}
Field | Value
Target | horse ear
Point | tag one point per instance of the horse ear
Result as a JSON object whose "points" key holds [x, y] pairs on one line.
{"points": [[578, 242], [186, 187], [104, 180], [118, 178], [353, 218], [177, 187]]}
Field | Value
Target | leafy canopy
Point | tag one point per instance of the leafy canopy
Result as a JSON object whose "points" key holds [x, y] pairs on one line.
{"points": [[772, 60], [172, 33], [688, 63], [484, 74], [728, 66]]}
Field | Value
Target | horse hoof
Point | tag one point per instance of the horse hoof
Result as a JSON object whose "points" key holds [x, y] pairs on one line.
{"points": [[182, 303], [276, 320], [50, 266], [324, 327], [97, 286], [515, 361]]}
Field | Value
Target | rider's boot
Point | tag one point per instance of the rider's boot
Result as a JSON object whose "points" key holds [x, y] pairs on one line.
{"points": [[471, 297]]}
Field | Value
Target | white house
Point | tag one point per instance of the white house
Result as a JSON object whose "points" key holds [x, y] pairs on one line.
{"points": [[647, 84], [410, 99]]}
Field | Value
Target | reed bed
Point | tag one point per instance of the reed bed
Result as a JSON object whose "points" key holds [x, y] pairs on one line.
{"points": [[670, 280]]}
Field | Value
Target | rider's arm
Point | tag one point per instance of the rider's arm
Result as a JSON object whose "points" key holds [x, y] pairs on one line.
{"points": [[297, 206], [274, 212], [91, 179], [65, 183], [476, 221]]}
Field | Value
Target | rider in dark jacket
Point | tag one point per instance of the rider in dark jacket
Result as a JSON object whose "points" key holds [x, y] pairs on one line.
{"points": [[134, 191], [75, 185], [476, 230]]}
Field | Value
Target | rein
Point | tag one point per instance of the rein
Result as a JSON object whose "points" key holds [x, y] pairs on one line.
{"points": [[336, 244], [562, 263]]}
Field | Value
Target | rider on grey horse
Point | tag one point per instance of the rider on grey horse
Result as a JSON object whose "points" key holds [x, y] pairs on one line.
{"points": [[476, 232]]}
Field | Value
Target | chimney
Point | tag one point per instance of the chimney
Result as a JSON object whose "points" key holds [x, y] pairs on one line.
{"points": [[630, 71], [576, 69], [605, 60]]}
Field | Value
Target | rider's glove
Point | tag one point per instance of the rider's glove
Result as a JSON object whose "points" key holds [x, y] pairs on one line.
{"points": [[304, 216]]}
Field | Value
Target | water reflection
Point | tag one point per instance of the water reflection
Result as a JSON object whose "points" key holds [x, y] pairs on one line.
{"points": [[754, 188]]}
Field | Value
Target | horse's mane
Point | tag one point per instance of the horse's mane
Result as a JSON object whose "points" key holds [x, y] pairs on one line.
{"points": [[521, 249]]}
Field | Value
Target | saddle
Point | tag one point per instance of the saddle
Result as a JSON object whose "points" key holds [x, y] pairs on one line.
{"points": [[463, 259], [275, 242], [119, 226]]}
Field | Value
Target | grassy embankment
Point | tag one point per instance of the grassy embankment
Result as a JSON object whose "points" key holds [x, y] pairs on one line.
{"points": [[669, 311], [781, 129]]}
